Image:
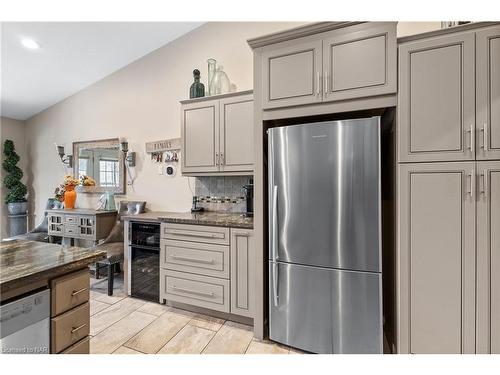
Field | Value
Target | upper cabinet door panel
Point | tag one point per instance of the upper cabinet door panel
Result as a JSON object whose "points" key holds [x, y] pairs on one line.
{"points": [[200, 137], [436, 99], [360, 61], [236, 134], [291, 74], [488, 93]]}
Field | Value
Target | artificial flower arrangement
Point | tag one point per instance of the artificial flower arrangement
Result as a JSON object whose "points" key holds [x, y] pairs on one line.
{"points": [[87, 180], [69, 183]]}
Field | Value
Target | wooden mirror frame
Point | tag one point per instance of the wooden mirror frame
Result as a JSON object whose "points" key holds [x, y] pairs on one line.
{"points": [[101, 143]]}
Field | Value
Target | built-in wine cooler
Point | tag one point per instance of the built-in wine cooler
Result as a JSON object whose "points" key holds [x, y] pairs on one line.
{"points": [[145, 261]]}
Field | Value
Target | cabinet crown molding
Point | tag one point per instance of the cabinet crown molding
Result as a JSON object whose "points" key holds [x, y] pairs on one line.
{"points": [[297, 32]]}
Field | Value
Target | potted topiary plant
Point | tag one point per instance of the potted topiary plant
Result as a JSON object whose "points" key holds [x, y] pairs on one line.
{"points": [[16, 196]]}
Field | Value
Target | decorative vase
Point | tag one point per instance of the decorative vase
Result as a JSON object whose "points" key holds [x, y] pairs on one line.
{"points": [[212, 63], [69, 197], [197, 89], [220, 82]]}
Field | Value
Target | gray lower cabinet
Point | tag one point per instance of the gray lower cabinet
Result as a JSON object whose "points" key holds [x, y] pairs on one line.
{"points": [[436, 258], [436, 102], [488, 257], [217, 135], [360, 61], [347, 63], [208, 267], [488, 93], [242, 272]]}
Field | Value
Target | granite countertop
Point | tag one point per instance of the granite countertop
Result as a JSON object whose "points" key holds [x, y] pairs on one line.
{"points": [[23, 262], [219, 219]]}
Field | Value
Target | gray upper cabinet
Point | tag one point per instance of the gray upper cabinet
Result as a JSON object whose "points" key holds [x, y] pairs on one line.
{"points": [[488, 257], [346, 63], [236, 133], [488, 93], [200, 137], [436, 101], [217, 135], [292, 73], [436, 263], [360, 61]]}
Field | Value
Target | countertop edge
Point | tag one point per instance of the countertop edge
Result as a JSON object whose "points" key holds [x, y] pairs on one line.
{"points": [[50, 273]]}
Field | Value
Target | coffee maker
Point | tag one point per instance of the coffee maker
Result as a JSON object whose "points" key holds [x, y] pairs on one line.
{"points": [[248, 191]]}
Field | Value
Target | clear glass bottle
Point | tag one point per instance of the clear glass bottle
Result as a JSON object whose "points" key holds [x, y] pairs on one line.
{"points": [[212, 63], [220, 82]]}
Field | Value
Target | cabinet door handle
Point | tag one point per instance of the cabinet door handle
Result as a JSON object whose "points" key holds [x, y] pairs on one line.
{"points": [[217, 162], [318, 83], [485, 136], [196, 260], [222, 161], [76, 292], [193, 291], [75, 329], [471, 138], [326, 83], [178, 232], [482, 185], [469, 176]]}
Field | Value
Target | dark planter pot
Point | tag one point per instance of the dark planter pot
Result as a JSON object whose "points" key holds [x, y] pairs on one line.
{"points": [[17, 208]]}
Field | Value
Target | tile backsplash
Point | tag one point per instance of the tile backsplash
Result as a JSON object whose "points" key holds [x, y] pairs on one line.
{"points": [[221, 193]]}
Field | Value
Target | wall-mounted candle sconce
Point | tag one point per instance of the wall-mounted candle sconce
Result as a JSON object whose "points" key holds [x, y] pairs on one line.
{"points": [[129, 155], [67, 160]]}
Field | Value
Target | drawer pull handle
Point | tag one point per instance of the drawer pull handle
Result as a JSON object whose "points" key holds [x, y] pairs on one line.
{"points": [[75, 329], [197, 260], [196, 234], [75, 292], [193, 291]]}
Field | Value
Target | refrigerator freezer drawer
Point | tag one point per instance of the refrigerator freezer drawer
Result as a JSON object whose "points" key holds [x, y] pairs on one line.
{"points": [[325, 310]]}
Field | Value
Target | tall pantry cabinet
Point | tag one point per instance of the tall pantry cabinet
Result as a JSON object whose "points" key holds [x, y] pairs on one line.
{"points": [[449, 192]]}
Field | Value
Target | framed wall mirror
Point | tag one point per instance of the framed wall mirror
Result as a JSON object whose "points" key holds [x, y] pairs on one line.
{"points": [[103, 161]]}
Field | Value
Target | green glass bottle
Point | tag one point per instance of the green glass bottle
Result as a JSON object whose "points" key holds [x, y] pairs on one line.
{"points": [[197, 89]]}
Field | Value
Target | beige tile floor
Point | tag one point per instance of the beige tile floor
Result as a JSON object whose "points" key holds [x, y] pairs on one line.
{"points": [[124, 325]]}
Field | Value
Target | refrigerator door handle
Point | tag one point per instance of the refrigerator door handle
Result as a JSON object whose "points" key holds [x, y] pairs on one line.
{"points": [[275, 223], [275, 283]]}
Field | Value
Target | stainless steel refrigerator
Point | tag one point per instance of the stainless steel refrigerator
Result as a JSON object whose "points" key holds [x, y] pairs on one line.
{"points": [[325, 269]]}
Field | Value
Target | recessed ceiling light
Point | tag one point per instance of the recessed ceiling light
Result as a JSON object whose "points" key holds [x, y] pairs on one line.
{"points": [[30, 43]]}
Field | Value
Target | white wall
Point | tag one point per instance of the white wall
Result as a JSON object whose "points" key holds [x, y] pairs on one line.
{"points": [[141, 102], [15, 131]]}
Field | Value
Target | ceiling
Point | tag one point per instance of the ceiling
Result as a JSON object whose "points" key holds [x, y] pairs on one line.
{"points": [[72, 56]]}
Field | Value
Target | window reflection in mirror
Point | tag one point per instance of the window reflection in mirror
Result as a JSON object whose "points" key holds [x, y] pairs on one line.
{"points": [[103, 161]]}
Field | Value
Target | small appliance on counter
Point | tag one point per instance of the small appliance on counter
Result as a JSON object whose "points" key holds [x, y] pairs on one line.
{"points": [[194, 207], [145, 261], [248, 191]]}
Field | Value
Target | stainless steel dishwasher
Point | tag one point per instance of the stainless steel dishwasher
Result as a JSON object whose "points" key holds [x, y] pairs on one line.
{"points": [[25, 325]]}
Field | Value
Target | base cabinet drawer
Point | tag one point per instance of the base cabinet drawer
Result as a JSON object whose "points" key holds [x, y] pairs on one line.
{"points": [[69, 328], [195, 233], [194, 257], [202, 291], [81, 347], [69, 291]]}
